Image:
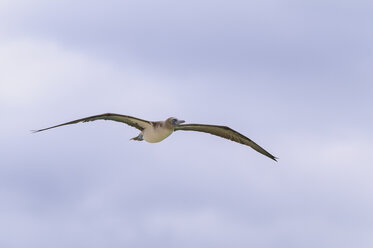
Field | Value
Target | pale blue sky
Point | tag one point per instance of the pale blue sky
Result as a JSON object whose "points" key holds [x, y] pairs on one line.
{"points": [[294, 76]]}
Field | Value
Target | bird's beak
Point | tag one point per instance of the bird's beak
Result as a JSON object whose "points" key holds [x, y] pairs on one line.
{"points": [[179, 122]]}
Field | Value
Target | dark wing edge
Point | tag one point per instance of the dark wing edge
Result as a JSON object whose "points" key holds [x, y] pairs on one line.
{"points": [[129, 120], [227, 133]]}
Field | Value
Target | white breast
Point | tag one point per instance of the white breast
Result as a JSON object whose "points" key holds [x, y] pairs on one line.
{"points": [[154, 135]]}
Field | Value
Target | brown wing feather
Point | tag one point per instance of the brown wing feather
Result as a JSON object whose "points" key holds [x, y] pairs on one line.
{"points": [[227, 133], [129, 120]]}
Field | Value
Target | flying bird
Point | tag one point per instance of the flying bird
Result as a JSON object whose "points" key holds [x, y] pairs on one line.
{"points": [[156, 131]]}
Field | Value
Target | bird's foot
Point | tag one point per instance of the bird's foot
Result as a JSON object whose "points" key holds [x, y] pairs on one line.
{"points": [[138, 138]]}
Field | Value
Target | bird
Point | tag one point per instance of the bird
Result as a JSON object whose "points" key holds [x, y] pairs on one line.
{"points": [[156, 131]]}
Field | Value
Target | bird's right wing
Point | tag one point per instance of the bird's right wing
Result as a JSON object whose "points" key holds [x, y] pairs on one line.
{"points": [[129, 120], [227, 133]]}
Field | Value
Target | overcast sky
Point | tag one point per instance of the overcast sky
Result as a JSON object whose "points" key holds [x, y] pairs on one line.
{"points": [[294, 76]]}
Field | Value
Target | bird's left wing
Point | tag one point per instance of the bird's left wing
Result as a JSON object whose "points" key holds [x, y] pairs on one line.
{"points": [[129, 120], [227, 133]]}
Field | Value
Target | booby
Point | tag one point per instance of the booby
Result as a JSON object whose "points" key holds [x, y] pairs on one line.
{"points": [[156, 131]]}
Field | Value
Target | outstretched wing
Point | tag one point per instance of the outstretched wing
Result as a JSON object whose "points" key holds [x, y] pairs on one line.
{"points": [[129, 120], [227, 133]]}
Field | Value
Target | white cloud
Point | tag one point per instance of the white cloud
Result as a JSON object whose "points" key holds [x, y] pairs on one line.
{"points": [[45, 79], [83, 186]]}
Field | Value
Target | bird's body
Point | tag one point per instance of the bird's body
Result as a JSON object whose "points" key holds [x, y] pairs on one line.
{"points": [[157, 131]]}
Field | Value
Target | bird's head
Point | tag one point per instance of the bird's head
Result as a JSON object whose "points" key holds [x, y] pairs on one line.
{"points": [[172, 121]]}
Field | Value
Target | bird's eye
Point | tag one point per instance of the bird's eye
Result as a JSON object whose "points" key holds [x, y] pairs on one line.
{"points": [[174, 120]]}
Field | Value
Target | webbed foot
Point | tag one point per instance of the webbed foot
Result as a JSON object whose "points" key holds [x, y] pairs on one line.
{"points": [[138, 138]]}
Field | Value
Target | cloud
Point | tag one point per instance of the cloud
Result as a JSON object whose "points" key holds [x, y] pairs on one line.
{"points": [[193, 37], [294, 77]]}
